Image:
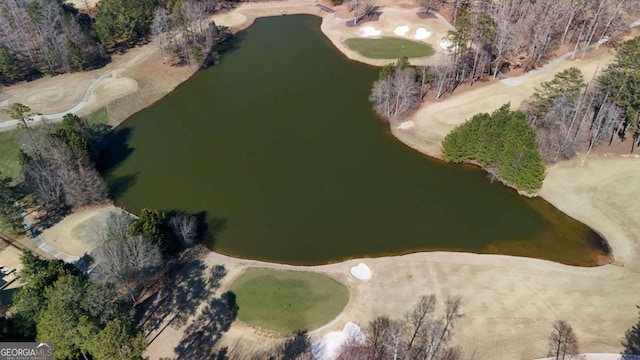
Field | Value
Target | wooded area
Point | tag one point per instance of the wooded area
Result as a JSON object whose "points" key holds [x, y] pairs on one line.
{"points": [[493, 36], [503, 143], [49, 37], [571, 114], [45, 37]]}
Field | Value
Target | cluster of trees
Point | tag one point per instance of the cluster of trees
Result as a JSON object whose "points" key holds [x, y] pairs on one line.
{"points": [[133, 251], [59, 161], [183, 30], [570, 114], [398, 90], [58, 304], [49, 37], [419, 335], [503, 142], [491, 36], [45, 37]]}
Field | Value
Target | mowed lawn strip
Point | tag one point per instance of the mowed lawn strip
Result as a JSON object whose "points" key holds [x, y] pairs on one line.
{"points": [[100, 116], [389, 48], [287, 301], [9, 151]]}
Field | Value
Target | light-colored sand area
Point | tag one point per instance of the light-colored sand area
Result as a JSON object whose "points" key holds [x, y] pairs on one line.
{"points": [[392, 22], [82, 4], [10, 257], [435, 120], [245, 14], [77, 233]]}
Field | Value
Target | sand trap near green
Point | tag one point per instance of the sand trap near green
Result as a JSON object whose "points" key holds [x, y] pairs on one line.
{"points": [[287, 301], [389, 48]]}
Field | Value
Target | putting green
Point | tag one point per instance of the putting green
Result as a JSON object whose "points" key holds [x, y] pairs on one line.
{"points": [[287, 301], [389, 48]]}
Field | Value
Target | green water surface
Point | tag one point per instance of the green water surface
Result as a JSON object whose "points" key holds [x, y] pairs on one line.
{"points": [[278, 147]]}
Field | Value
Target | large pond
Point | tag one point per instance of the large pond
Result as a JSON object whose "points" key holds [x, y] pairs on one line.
{"points": [[277, 146]]}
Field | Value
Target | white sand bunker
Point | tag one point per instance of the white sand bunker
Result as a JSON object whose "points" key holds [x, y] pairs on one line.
{"points": [[329, 346], [361, 272], [422, 33], [370, 31], [406, 125], [116, 87], [445, 44], [401, 30]]}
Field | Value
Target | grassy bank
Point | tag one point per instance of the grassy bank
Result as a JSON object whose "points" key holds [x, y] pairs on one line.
{"points": [[9, 153]]}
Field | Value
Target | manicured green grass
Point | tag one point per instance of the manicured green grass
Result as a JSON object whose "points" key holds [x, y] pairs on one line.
{"points": [[9, 165], [389, 48], [287, 301], [99, 116]]}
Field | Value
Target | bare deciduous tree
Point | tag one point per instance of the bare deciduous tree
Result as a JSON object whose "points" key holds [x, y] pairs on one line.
{"points": [[360, 8], [115, 228], [186, 229], [161, 24], [395, 96], [130, 263], [563, 343], [420, 314]]}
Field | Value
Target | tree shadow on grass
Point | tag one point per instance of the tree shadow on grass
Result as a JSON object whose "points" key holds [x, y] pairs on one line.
{"points": [[187, 284], [51, 216], [203, 334]]}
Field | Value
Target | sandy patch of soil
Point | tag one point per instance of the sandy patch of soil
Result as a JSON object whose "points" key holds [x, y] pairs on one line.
{"points": [[82, 4], [10, 257], [76, 233]]}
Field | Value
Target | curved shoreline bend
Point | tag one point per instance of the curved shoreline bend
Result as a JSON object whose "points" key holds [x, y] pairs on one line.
{"points": [[509, 302]]}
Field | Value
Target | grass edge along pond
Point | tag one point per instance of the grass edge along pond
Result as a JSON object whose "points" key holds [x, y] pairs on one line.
{"points": [[286, 301], [389, 48]]}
